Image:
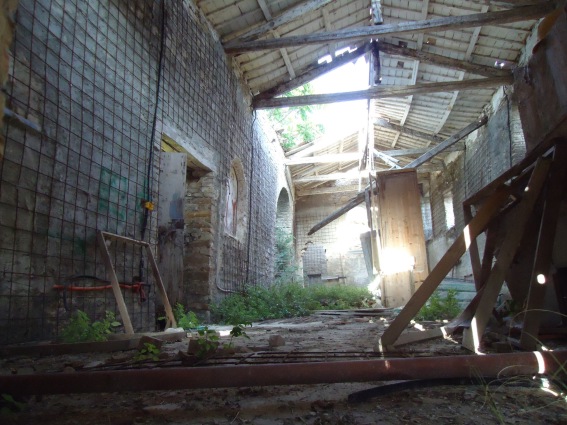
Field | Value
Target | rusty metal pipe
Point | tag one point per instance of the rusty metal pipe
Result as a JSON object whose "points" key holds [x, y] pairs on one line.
{"points": [[488, 366]]}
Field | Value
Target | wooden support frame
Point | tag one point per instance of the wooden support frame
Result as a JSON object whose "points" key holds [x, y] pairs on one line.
{"points": [[103, 238], [473, 335], [476, 226], [543, 255]]}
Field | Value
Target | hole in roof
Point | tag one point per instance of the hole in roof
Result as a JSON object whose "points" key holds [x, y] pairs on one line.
{"points": [[400, 64], [402, 43], [431, 41]]}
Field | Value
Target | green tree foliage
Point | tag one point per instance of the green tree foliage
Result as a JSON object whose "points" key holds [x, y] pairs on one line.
{"points": [[296, 125]]}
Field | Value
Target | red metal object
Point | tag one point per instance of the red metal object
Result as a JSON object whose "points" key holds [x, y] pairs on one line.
{"points": [[488, 366]]}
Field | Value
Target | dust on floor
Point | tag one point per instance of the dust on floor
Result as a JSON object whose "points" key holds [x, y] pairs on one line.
{"points": [[314, 338]]}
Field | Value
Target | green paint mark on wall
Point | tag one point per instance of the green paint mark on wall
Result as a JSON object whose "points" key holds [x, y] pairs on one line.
{"points": [[112, 194]]}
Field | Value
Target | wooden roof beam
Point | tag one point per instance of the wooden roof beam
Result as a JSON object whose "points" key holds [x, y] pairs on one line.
{"points": [[339, 157], [523, 13], [442, 61], [383, 92], [313, 72], [282, 19], [382, 122]]}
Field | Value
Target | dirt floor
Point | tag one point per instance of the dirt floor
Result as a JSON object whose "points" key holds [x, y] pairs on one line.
{"points": [[313, 338]]}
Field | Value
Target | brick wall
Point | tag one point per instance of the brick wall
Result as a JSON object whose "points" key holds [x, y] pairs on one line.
{"points": [[489, 152], [89, 74], [335, 250]]}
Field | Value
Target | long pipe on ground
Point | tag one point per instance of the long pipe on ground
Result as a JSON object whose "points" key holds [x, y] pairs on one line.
{"points": [[488, 366]]}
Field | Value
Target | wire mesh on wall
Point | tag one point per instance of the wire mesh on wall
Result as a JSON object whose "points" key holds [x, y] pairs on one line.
{"points": [[86, 73]]}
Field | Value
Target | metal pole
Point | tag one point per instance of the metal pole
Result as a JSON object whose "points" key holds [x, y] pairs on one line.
{"points": [[488, 366]]}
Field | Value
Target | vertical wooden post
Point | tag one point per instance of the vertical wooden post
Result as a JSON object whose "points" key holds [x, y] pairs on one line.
{"points": [[115, 285]]}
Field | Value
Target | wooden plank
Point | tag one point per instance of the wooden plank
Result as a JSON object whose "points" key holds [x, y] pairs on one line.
{"points": [[442, 61], [313, 72], [384, 123], [382, 92], [473, 249], [419, 336], [359, 198], [400, 226], [543, 256], [488, 255], [436, 24], [324, 159], [473, 335], [124, 239], [447, 143], [419, 151], [170, 322], [282, 19], [131, 343], [114, 280], [476, 226], [328, 177]]}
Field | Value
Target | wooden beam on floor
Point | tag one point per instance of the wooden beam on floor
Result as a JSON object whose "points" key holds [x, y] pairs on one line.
{"points": [[382, 92], [476, 226], [412, 27], [472, 337]]}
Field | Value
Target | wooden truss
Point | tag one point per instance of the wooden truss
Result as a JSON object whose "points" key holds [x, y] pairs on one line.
{"points": [[519, 212], [104, 239]]}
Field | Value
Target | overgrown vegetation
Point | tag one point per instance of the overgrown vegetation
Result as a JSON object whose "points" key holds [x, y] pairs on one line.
{"points": [[185, 319], [80, 328], [285, 265], [439, 308], [287, 300], [296, 125]]}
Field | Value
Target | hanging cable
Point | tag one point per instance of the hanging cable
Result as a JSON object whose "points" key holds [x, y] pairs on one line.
{"points": [[148, 184]]}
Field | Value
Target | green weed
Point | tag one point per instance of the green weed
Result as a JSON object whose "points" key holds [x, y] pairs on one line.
{"points": [[80, 328], [185, 319], [439, 308], [280, 300], [149, 352]]}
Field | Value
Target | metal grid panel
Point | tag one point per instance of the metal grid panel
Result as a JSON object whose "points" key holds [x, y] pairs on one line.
{"points": [[86, 171]]}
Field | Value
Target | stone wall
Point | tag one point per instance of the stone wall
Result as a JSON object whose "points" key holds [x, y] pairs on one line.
{"points": [[107, 81]]}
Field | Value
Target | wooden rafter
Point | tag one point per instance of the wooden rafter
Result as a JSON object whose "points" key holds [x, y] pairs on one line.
{"points": [[437, 24], [407, 131], [285, 17], [443, 61], [338, 157], [383, 92], [283, 51], [313, 72]]}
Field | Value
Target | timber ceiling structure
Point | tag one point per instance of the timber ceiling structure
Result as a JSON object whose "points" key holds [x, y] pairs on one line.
{"points": [[435, 65]]}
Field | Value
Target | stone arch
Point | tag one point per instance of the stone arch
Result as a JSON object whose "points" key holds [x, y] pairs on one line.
{"points": [[284, 212]]}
